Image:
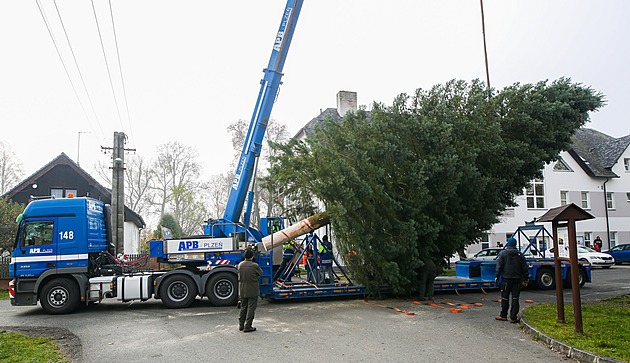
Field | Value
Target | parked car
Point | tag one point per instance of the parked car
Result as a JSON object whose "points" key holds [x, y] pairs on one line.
{"points": [[585, 254], [487, 254], [621, 253], [491, 254]]}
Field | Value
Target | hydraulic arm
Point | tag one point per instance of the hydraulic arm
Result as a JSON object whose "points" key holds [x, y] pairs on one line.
{"points": [[266, 97]]}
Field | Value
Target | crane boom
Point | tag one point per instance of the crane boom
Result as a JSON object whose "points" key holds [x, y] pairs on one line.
{"points": [[269, 86]]}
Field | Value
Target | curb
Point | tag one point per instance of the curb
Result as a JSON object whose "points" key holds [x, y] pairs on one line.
{"points": [[564, 348]]}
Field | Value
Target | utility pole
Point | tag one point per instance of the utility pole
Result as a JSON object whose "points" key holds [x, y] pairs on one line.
{"points": [[118, 191]]}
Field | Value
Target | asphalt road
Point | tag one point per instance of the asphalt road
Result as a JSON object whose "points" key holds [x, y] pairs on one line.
{"points": [[311, 331]]}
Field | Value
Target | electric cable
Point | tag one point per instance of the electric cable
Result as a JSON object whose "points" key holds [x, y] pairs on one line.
{"points": [[65, 68], [78, 68], [109, 74], [122, 78]]}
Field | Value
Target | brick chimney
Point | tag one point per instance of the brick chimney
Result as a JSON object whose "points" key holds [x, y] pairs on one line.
{"points": [[346, 101]]}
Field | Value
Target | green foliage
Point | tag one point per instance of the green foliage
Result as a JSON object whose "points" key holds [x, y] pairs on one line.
{"points": [[599, 320], [9, 211], [168, 221], [21, 348], [431, 173]]}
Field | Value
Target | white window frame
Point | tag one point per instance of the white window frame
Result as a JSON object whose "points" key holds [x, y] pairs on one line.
{"points": [[626, 164], [588, 237], [610, 201], [564, 197], [535, 195], [612, 239], [586, 202]]}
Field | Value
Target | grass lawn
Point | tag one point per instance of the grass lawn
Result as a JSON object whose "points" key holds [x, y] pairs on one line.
{"points": [[21, 348], [606, 326], [4, 294]]}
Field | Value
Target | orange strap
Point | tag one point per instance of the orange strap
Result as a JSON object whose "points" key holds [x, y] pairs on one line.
{"points": [[453, 310], [389, 307]]}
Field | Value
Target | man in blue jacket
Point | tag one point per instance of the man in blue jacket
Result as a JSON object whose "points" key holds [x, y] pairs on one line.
{"points": [[513, 272]]}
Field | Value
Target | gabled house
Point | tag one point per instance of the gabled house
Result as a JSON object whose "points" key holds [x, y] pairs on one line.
{"points": [[595, 175], [62, 177]]}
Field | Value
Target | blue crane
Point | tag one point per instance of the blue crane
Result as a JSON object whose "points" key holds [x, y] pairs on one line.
{"points": [[269, 86]]}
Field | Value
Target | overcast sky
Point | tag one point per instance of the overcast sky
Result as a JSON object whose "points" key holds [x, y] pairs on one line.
{"points": [[192, 67]]}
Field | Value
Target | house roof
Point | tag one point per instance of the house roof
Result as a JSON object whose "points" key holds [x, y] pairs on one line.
{"points": [[597, 152], [63, 159], [308, 129]]}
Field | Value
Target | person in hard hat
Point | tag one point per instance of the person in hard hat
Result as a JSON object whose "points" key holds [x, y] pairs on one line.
{"points": [[248, 289], [288, 251], [513, 273], [325, 256]]}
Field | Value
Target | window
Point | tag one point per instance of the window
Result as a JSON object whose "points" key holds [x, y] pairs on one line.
{"points": [[564, 197], [37, 233], [587, 238], [561, 165], [626, 164], [612, 238], [62, 193], [586, 200], [485, 241], [609, 201], [535, 193], [628, 196]]}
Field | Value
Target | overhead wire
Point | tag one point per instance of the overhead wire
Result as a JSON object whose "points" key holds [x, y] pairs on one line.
{"points": [[78, 68], [109, 74], [122, 78], [65, 68]]}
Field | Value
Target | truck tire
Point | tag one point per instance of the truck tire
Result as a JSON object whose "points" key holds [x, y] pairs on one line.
{"points": [[178, 291], [59, 296], [222, 289], [581, 276], [546, 279]]}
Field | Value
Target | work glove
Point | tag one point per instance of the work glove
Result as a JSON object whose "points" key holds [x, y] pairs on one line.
{"points": [[496, 279]]}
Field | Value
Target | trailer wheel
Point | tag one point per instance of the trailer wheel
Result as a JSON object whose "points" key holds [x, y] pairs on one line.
{"points": [[59, 296], [581, 277], [178, 291], [222, 289], [545, 279]]}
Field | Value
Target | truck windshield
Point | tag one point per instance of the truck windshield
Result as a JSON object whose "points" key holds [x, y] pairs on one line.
{"points": [[37, 233]]}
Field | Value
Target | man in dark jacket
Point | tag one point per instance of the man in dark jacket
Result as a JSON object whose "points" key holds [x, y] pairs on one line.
{"points": [[248, 289], [513, 272]]}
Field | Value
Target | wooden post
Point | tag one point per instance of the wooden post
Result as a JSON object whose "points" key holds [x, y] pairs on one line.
{"points": [[575, 278], [558, 274]]}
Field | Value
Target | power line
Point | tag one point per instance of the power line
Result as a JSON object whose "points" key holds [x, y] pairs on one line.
{"points": [[65, 68], [122, 79], [109, 74], [77, 65]]}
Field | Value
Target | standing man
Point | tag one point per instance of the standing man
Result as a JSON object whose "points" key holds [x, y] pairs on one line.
{"points": [[597, 244], [427, 276], [248, 289], [512, 271]]}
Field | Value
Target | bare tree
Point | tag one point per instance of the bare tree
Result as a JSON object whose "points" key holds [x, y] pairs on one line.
{"points": [[176, 177], [10, 168], [138, 183], [217, 193]]}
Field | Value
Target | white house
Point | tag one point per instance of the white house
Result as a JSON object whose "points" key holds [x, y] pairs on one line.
{"points": [[593, 174]]}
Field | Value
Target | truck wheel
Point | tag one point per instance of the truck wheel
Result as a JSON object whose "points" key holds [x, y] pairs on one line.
{"points": [[581, 277], [222, 289], [59, 296], [178, 291], [545, 279]]}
